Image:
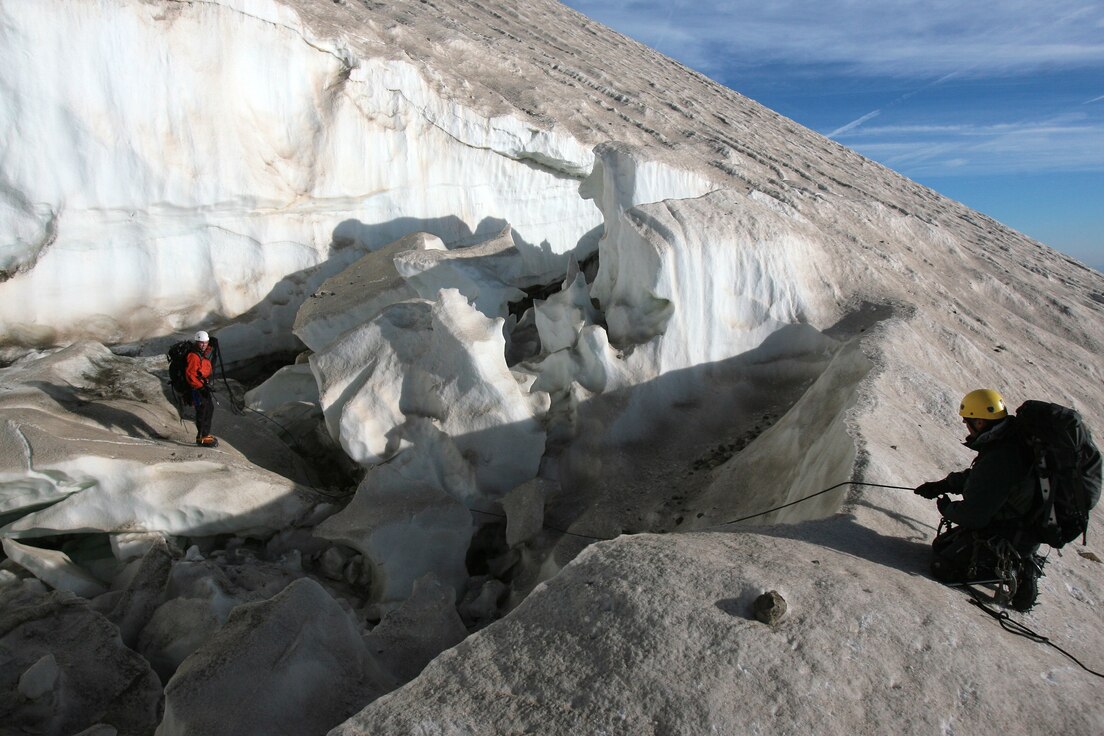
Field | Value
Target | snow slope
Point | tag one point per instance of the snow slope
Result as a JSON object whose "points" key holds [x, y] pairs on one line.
{"points": [[573, 309]]}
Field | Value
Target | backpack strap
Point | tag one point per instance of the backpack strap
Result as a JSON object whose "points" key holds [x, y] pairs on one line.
{"points": [[1047, 513]]}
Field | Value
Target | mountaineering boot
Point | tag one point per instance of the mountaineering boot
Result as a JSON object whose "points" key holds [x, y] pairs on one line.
{"points": [[1027, 583], [207, 441]]}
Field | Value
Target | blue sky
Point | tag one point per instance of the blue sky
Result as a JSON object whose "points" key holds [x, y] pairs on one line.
{"points": [[997, 104]]}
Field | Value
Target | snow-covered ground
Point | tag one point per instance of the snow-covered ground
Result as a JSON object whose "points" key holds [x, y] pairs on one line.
{"points": [[567, 310]]}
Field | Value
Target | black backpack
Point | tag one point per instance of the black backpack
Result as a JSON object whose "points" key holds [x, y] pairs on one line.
{"points": [[1067, 465], [178, 361]]}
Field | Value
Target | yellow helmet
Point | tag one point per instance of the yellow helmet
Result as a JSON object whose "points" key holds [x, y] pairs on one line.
{"points": [[985, 403]]}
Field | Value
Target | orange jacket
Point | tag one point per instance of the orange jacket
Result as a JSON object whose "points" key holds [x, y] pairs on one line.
{"points": [[198, 369]]}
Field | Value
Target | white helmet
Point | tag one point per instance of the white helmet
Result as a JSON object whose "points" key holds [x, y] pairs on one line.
{"points": [[202, 336]]}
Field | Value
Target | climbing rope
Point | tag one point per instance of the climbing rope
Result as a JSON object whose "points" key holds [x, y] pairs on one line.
{"points": [[818, 493], [222, 374], [283, 432], [727, 523], [1002, 617], [1019, 629]]}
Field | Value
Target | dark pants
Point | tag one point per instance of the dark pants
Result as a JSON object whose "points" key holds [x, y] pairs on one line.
{"points": [[961, 555], [204, 404]]}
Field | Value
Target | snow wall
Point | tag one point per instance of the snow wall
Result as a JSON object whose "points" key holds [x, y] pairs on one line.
{"points": [[216, 165]]}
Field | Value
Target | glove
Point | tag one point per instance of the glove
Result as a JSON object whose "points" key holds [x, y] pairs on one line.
{"points": [[943, 503], [932, 489]]}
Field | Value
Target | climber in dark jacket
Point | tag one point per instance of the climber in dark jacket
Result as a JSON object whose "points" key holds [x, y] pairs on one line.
{"points": [[998, 494]]}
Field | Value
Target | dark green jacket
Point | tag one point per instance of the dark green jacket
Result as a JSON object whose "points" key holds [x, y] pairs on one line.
{"points": [[999, 488]]}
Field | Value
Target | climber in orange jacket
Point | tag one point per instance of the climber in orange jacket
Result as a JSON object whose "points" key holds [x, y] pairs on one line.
{"points": [[197, 372]]}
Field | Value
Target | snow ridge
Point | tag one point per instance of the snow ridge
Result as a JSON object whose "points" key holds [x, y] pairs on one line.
{"points": [[569, 309]]}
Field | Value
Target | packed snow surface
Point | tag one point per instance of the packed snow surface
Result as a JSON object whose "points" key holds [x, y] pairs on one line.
{"points": [[581, 338]]}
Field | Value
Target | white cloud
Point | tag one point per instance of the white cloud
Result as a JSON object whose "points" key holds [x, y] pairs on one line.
{"points": [[854, 124], [915, 38], [924, 43], [1065, 143]]}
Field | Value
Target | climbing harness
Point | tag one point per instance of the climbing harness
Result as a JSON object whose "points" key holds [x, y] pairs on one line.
{"points": [[994, 558]]}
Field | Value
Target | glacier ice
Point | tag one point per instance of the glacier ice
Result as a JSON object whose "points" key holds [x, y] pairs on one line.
{"points": [[98, 680], [299, 648], [360, 291], [412, 634], [442, 361], [53, 568], [521, 338], [206, 190], [40, 678], [408, 517], [462, 348]]}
